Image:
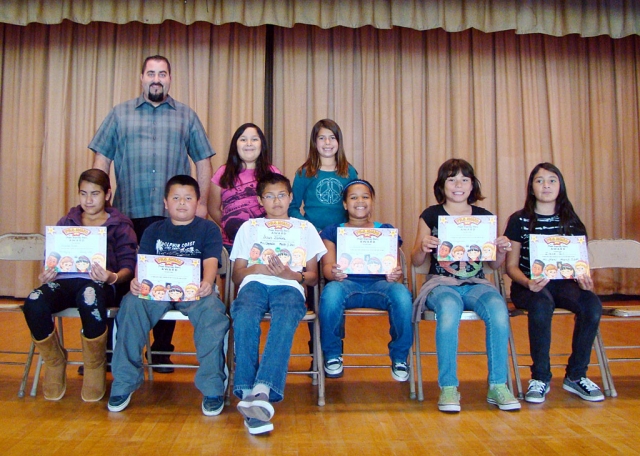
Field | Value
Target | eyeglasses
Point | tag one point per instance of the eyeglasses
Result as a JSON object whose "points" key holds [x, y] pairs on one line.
{"points": [[270, 197]]}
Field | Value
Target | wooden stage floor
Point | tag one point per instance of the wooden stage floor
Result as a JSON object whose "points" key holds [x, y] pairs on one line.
{"points": [[366, 412]]}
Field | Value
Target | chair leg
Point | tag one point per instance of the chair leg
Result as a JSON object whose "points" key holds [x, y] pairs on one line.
{"points": [[605, 370], [149, 360], [416, 337], [514, 364], [412, 375], [318, 360], [27, 368], [231, 366], [36, 377]]}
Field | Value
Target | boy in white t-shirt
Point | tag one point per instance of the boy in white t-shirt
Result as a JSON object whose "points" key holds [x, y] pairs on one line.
{"points": [[275, 288]]}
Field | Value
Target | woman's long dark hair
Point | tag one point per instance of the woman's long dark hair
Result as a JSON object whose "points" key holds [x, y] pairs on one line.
{"points": [[235, 165], [564, 209]]}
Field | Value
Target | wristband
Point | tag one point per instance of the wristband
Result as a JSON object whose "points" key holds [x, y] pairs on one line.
{"points": [[115, 280], [301, 281]]}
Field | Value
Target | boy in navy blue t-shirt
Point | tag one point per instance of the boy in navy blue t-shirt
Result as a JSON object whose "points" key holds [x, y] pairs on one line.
{"points": [[183, 235]]}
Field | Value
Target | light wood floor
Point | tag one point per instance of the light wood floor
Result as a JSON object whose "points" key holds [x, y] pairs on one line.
{"points": [[366, 413]]}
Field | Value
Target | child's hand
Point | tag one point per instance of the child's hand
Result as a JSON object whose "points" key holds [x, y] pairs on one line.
{"points": [[205, 289], [47, 275], [100, 274], [585, 282], [395, 274], [337, 274], [276, 267], [134, 287], [537, 285], [503, 244], [429, 243]]}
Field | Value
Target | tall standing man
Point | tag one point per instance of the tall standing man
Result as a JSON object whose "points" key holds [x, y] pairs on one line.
{"points": [[150, 140]]}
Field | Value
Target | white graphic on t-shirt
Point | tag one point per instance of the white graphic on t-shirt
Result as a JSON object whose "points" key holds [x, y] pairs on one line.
{"points": [[186, 249], [329, 191]]}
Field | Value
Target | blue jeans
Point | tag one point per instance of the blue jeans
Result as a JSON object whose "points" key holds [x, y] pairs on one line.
{"points": [[565, 294], [448, 304], [137, 317], [370, 293], [287, 308]]}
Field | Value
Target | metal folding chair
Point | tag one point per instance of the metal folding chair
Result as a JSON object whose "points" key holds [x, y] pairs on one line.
{"points": [[615, 254], [467, 315], [599, 257], [316, 372], [20, 247], [366, 312], [71, 312], [176, 315]]}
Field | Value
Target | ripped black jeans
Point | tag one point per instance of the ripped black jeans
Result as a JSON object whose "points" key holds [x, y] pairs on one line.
{"points": [[91, 298]]}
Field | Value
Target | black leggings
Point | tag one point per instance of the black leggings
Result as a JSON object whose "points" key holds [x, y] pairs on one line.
{"points": [[91, 299]]}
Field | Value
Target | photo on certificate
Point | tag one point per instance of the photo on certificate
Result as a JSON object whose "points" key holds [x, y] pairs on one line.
{"points": [[558, 257], [367, 250], [168, 278], [73, 249], [467, 237], [285, 238]]}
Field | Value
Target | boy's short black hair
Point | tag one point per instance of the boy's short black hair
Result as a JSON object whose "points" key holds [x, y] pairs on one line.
{"points": [[182, 179], [271, 179]]}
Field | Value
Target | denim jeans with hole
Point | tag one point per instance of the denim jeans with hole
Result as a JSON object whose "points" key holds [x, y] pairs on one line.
{"points": [[287, 307], [448, 304], [373, 293], [565, 294]]}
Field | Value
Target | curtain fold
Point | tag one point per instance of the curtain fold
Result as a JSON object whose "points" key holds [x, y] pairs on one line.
{"points": [[616, 19]]}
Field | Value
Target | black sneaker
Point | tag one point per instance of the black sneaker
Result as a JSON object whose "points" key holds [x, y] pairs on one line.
{"points": [[584, 388], [255, 426], [163, 359], [119, 403], [400, 371], [212, 405]]}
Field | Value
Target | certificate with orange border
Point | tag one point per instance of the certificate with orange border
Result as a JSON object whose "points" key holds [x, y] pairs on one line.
{"points": [[367, 250], [285, 238], [73, 249], [168, 278], [467, 237], [558, 257]]}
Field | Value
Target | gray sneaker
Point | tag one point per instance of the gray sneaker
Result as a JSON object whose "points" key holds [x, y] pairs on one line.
{"points": [[256, 406], [449, 400], [256, 426], [537, 391], [584, 388]]}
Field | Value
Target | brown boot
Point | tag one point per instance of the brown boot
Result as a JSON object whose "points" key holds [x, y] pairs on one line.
{"points": [[94, 352], [55, 366]]}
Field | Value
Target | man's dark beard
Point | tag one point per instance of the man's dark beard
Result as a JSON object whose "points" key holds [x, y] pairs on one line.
{"points": [[155, 97]]}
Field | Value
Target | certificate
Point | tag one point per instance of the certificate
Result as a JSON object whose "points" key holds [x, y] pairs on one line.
{"points": [[558, 257], [168, 278], [285, 238], [467, 238], [75, 248], [367, 250]]}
